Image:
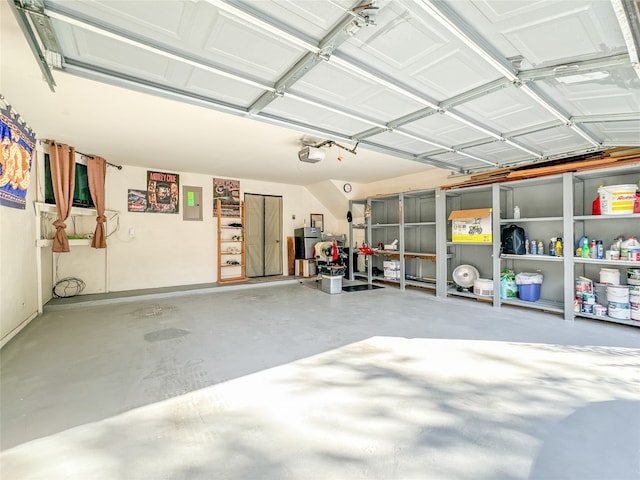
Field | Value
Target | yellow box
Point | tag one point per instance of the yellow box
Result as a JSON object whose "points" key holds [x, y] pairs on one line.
{"points": [[471, 226]]}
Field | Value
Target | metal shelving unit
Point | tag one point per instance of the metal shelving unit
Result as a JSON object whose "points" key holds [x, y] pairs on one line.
{"points": [[553, 206]]}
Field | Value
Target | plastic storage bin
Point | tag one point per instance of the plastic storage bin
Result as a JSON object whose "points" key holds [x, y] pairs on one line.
{"points": [[529, 286]]}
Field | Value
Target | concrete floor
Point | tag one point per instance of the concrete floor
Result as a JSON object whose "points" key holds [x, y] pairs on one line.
{"points": [[283, 381]]}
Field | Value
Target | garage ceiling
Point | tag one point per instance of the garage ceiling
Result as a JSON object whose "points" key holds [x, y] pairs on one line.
{"points": [[464, 85]]}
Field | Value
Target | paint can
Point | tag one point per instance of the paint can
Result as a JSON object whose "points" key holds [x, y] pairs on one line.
{"points": [[618, 293], [635, 311], [587, 308], [610, 276], [600, 291], [619, 311], [583, 285], [634, 254], [599, 310], [588, 298], [577, 305], [633, 276], [634, 293]]}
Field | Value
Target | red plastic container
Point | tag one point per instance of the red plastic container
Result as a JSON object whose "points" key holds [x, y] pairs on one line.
{"points": [[595, 206]]}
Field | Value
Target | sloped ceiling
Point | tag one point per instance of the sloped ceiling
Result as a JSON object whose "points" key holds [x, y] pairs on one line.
{"points": [[463, 86]]}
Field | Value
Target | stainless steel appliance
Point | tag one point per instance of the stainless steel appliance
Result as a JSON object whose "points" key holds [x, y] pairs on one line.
{"points": [[305, 240]]}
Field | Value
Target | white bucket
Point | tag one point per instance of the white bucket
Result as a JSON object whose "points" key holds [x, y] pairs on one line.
{"points": [[633, 276], [620, 311], [635, 311], [618, 294], [610, 276], [483, 287], [617, 199]]}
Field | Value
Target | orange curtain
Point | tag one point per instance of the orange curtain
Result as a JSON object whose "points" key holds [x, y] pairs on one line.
{"points": [[63, 177], [97, 171]]}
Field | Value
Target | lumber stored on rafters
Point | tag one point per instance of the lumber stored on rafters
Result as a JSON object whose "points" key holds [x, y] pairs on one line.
{"points": [[610, 158]]}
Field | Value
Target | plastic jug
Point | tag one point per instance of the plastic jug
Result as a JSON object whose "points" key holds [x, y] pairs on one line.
{"points": [[624, 247], [595, 206]]}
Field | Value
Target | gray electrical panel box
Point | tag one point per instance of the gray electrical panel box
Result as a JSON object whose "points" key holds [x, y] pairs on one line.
{"points": [[191, 203]]}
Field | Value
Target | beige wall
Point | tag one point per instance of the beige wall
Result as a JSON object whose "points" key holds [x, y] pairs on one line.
{"points": [[18, 281], [166, 251]]}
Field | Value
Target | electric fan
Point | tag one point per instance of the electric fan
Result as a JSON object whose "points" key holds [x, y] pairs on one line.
{"points": [[464, 276]]}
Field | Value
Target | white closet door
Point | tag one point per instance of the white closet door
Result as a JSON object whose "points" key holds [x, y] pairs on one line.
{"points": [[254, 235], [263, 235], [273, 236]]}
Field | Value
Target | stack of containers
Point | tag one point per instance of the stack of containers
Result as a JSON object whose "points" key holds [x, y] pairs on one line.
{"points": [[633, 279], [617, 295], [583, 296], [623, 300], [619, 306]]}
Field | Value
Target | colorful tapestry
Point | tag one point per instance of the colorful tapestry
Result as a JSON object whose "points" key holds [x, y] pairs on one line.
{"points": [[228, 192], [162, 192], [17, 144]]}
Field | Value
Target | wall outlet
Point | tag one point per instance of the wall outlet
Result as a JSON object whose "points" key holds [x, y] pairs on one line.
{"points": [[132, 233]]}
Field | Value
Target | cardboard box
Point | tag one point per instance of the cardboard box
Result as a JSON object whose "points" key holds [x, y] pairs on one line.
{"points": [[471, 226], [305, 268], [391, 270]]}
